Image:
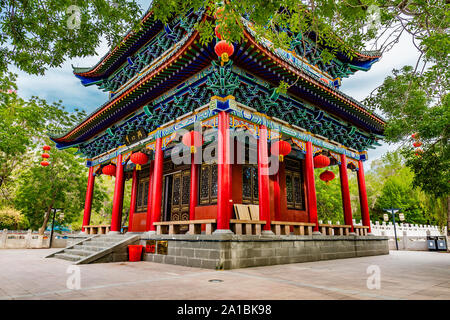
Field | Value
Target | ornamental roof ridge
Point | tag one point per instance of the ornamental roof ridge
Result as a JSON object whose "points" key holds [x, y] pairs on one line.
{"points": [[316, 78], [114, 99]]}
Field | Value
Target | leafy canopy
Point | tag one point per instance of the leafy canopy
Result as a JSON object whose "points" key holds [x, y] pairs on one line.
{"points": [[39, 34]]}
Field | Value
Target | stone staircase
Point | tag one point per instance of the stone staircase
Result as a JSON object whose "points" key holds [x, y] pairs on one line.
{"points": [[98, 249]]}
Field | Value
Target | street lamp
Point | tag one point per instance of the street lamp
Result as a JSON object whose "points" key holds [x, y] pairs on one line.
{"points": [[53, 225], [393, 211]]}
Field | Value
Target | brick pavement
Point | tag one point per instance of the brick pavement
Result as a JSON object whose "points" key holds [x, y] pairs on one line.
{"points": [[26, 274]]}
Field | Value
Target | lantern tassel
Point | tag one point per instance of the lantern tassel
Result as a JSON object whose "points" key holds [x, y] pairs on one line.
{"points": [[225, 57], [281, 157], [193, 149]]}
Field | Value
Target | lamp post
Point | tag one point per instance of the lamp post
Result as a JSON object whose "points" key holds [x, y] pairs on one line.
{"points": [[393, 211], [53, 226]]}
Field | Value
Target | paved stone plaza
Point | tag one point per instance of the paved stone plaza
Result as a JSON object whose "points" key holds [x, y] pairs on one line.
{"points": [[25, 274]]}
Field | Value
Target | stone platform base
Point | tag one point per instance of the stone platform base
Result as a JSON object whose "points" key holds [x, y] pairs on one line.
{"points": [[229, 251]]}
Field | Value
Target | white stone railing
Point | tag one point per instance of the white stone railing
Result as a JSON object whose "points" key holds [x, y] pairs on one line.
{"points": [[421, 231], [10, 239]]}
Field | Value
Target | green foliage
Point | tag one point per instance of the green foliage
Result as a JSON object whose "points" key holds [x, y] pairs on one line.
{"points": [[23, 128], [61, 185], [420, 104], [12, 219], [37, 35], [329, 198], [390, 184]]}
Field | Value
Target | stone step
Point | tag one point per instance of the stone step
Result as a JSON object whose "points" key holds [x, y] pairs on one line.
{"points": [[78, 252], [97, 243], [69, 257], [90, 248]]}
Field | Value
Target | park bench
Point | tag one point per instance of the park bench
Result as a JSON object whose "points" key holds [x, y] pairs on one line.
{"points": [[335, 229], [299, 228], [361, 230], [248, 227], [100, 229], [195, 226], [247, 220]]}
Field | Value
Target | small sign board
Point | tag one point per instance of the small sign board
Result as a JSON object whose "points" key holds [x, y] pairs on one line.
{"points": [[161, 247], [385, 217], [401, 216], [135, 136], [150, 246]]}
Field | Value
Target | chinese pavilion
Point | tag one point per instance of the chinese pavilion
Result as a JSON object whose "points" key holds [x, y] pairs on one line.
{"points": [[161, 80]]}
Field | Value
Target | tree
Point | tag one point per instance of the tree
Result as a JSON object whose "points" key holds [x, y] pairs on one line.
{"points": [[40, 34], [61, 185], [390, 183], [329, 198], [23, 127]]}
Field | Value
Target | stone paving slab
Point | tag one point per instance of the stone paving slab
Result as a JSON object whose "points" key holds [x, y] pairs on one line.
{"points": [[26, 274]]}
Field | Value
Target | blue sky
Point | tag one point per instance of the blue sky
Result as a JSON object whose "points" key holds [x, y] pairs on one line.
{"points": [[61, 84]]}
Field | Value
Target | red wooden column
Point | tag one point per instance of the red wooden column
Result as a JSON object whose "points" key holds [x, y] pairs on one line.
{"points": [[194, 188], [276, 195], [148, 221], [311, 186], [116, 219], [263, 178], [224, 174], [133, 200], [363, 196], [345, 192], [88, 201], [157, 184]]}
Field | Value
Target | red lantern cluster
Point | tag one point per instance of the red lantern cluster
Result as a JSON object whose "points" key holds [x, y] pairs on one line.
{"points": [[321, 161], [45, 156], [281, 148], [139, 159], [327, 176], [192, 139], [109, 170], [417, 144]]}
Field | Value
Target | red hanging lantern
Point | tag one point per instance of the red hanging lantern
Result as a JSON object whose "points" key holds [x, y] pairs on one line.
{"points": [[419, 152], [216, 31], [139, 159], [45, 163], [321, 161], [417, 144], [415, 135], [327, 176], [218, 34], [224, 50], [192, 139], [281, 148], [45, 155], [109, 170], [46, 148], [219, 13]]}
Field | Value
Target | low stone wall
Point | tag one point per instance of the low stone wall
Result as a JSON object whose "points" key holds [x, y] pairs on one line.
{"points": [[28, 240], [232, 251]]}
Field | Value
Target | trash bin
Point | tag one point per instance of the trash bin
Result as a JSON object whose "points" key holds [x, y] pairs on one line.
{"points": [[135, 252], [441, 243], [431, 243]]}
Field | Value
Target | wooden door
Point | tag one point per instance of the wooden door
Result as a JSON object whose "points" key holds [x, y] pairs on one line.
{"points": [[180, 196]]}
